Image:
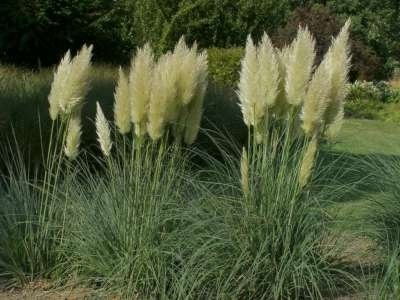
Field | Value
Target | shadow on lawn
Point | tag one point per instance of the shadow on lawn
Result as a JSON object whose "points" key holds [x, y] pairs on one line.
{"points": [[354, 174]]}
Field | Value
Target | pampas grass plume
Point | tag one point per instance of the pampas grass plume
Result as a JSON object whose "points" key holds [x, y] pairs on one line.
{"points": [[252, 108], [77, 84], [162, 109], [339, 64], [268, 73], [122, 112], [71, 82], [308, 162], [186, 60], [195, 110], [281, 104], [140, 86], [59, 85], [73, 138], [316, 100], [103, 131], [299, 66]]}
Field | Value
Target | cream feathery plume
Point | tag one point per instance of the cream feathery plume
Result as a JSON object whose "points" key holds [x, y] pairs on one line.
{"points": [[186, 59], [281, 104], [73, 138], [299, 66], [77, 82], [195, 109], [59, 85], [333, 129], [316, 100], [103, 131], [339, 65], [307, 164], [162, 107], [122, 112], [268, 72], [140, 85], [244, 172], [252, 108]]}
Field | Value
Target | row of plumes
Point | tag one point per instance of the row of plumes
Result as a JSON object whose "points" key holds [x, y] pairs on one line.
{"points": [[157, 95], [283, 83], [167, 94]]}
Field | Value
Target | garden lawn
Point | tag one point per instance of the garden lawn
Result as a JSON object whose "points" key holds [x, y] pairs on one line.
{"points": [[368, 137]]}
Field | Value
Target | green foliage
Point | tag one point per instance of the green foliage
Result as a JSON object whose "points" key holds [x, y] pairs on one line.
{"points": [[371, 100], [224, 65], [122, 218], [378, 24], [323, 24], [380, 91], [248, 244], [39, 32]]}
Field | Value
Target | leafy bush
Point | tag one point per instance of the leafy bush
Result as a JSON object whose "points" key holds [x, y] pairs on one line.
{"points": [[377, 23], [225, 65], [380, 91], [323, 24], [371, 100]]}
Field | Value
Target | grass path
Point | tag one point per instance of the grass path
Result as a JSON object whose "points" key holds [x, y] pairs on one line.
{"points": [[369, 137]]}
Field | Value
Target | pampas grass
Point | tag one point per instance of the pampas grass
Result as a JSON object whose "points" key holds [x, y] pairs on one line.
{"points": [[140, 87], [73, 137], [299, 66], [103, 131], [177, 93], [71, 82], [282, 85], [253, 108], [316, 100], [122, 110], [339, 64]]}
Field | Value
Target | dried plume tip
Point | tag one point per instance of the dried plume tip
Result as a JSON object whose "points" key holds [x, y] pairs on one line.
{"points": [[103, 131]]}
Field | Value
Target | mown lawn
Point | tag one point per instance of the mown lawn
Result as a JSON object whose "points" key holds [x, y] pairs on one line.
{"points": [[360, 141], [369, 137]]}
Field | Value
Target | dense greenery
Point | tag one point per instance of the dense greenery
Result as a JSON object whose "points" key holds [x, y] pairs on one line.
{"points": [[38, 32]]}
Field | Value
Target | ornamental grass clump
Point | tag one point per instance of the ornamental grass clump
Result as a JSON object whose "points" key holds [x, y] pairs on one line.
{"points": [[34, 204], [126, 211], [283, 89], [262, 232]]}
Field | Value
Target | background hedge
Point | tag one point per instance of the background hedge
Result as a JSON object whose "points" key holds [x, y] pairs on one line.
{"points": [[37, 32]]}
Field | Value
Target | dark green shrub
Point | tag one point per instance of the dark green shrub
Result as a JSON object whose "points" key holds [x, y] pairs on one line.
{"points": [[224, 65], [323, 24]]}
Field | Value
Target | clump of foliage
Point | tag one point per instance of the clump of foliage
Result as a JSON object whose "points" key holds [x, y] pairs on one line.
{"points": [[323, 24], [260, 222], [225, 65], [372, 100]]}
